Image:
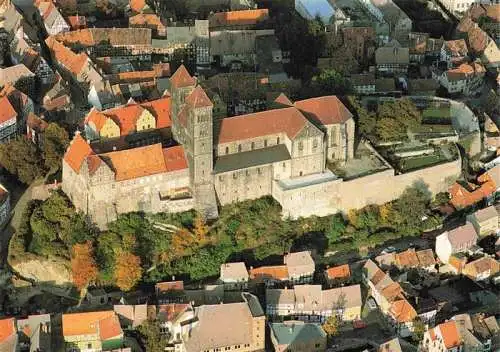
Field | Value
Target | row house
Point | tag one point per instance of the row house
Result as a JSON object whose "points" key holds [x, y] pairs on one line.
{"points": [[32, 333], [455, 241], [22, 53], [481, 269], [392, 60], [234, 276], [73, 67], [363, 83], [464, 332], [410, 258], [390, 297], [298, 268], [151, 21], [311, 303], [53, 20], [485, 221], [242, 19], [92, 331], [465, 79], [228, 327], [8, 121], [299, 336], [22, 104]]}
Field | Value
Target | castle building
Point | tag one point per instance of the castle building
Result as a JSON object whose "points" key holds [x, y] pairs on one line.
{"points": [[172, 155]]}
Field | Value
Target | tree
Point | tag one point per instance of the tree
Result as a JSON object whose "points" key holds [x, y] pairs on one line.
{"points": [[55, 143], [83, 265], [200, 229], [418, 329], [151, 336], [127, 270], [331, 81], [22, 159], [335, 229], [389, 130], [331, 325]]}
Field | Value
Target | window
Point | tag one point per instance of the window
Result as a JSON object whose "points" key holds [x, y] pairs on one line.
{"points": [[317, 345], [315, 143], [227, 150], [278, 140], [265, 142], [301, 145], [253, 145], [239, 147], [259, 171], [284, 165], [235, 175]]}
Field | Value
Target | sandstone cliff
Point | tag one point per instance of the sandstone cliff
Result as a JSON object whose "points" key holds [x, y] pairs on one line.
{"points": [[43, 271]]}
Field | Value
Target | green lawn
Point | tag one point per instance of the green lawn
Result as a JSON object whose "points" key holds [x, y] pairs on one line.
{"points": [[443, 112], [413, 163]]}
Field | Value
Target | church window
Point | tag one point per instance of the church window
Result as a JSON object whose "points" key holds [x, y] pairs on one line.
{"points": [[235, 175], [315, 143], [259, 171], [278, 140], [247, 172], [284, 165]]}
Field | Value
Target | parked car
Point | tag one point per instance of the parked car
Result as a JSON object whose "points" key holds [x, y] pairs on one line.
{"points": [[371, 303], [388, 250]]}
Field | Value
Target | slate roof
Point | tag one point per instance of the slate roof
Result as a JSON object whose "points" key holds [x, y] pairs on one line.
{"points": [[297, 332]]}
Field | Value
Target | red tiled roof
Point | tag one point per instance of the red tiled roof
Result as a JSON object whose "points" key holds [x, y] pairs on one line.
{"points": [[461, 197], [110, 327], [392, 292], [89, 324], [7, 112], [71, 61], [169, 312], [407, 258], [402, 311], [175, 159], [181, 78], [7, 329], [277, 272], [283, 99], [96, 117], [77, 22], [169, 286], [286, 120], [77, 152], [137, 5], [239, 18], [327, 110], [161, 109], [449, 332], [339, 272], [198, 98], [126, 117]]}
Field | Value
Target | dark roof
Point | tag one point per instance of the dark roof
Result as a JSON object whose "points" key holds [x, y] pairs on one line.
{"points": [[363, 79], [251, 158]]}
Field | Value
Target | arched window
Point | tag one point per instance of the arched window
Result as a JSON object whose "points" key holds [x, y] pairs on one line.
{"points": [[227, 150], [253, 146], [239, 147], [278, 140]]}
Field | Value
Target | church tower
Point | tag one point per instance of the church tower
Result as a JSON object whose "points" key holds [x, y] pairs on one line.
{"points": [[192, 126]]}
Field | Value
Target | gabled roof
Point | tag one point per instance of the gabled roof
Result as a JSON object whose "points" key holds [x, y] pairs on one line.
{"points": [[233, 271], [182, 79], [7, 329], [169, 286], [71, 61], [238, 18], [407, 258], [287, 120], [198, 98], [461, 235], [7, 112], [402, 311], [338, 272], [456, 47], [450, 334], [276, 272], [105, 324], [175, 159], [77, 152], [170, 312], [327, 110], [486, 214], [283, 99]]}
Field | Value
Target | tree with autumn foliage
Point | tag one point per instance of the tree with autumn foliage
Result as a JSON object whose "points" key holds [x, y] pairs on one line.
{"points": [[83, 264], [127, 270]]}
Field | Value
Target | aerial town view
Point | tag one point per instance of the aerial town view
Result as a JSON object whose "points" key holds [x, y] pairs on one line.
{"points": [[249, 175]]}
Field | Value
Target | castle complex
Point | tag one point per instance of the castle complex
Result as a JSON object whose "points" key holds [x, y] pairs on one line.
{"points": [[171, 155]]}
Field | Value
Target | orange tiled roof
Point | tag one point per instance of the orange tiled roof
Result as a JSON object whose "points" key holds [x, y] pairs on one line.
{"points": [[407, 258], [77, 22], [493, 12], [77, 152], [456, 47], [169, 286], [126, 117], [339, 272], [449, 332], [96, 117], [137, 5], [198, 98], [283, 99], [88, 323], [286, 120], [402, 311], [7, 329], [175, 158], [457, 263], [277, 272], [161, 109], [110, 327], [327, 110], [71, 61], [169, 312], [377, 277], [461, 197], [239, 18], [392, 292], [146, 19], [7, 112], [181, 78]]}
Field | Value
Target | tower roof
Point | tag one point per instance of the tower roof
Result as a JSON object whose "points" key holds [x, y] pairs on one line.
{"points": [[198, 98], [181, 78]]}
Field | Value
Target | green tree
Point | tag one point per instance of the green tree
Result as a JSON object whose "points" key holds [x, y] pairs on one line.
{"points": [[151, 336], [388, 129], [331, 81], [335, 229], [22, 159], [418, 329], [55, 142]]}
